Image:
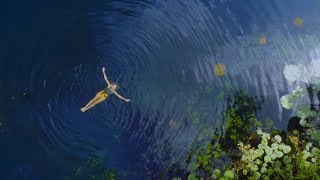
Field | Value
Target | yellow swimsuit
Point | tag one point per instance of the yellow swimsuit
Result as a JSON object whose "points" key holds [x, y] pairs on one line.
{"points": [[106, 92]]}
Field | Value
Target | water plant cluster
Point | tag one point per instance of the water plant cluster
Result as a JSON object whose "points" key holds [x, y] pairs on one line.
{"points": [[93, 169], [275, 158], [240, 121], [248, 148], [308, 114]]}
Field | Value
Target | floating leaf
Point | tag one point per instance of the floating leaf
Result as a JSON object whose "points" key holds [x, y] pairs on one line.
{"points": [[219, 69]]}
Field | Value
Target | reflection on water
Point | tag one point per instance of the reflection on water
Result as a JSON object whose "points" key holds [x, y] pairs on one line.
{"points": [[177, 61]]}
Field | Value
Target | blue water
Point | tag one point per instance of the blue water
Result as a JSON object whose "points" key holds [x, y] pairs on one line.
{"points": [[161, 53]]}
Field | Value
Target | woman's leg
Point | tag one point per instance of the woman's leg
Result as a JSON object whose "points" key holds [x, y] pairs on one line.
{"points": [[93, 99], [97, 99]]}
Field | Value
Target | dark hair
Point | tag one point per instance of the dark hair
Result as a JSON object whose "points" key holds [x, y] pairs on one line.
{"points": [[114, 83]]}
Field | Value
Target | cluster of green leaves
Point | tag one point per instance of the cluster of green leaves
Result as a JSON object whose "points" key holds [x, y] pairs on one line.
{"points": [[228, 174], [277, 157], [93, 169], [239, 121], [308, 162], [216, 174], [265, 155], [305, 168], [240, 118], [211, 153], [307, 117], [266, 160], [306, 113]]}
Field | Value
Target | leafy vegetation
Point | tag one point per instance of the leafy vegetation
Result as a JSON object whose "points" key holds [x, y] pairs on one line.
{"points": [[93, 169], [250, 153]]}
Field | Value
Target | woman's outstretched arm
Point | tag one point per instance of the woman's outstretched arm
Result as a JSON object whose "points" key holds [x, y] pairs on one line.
{"points": [[119, 96], [105, 76]]}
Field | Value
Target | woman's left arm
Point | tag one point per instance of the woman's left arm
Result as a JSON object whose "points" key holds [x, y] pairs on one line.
{"points": [[105, 76], [119, 96]]}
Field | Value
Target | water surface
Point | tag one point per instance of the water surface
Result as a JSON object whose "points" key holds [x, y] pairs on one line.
{"points": [[162, 53]]}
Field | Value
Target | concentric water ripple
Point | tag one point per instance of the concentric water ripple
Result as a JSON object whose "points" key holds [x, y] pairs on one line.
{"points": [[162, 53], [167, 51]]}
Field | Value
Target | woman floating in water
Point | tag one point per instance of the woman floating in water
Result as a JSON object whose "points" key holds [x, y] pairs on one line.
{"points": [[102, 95]]}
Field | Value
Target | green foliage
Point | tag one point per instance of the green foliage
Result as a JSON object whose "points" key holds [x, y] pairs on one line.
{"points": [[306, 113], [274, 159], [109, 174], [240, 118], [203, 134], [229, 174], [176, 178], [209, 155], [303, 113], [93, 169], [315, 135], [288, 101], [239, 121], [216, 173], [274, 155], [192, 177], [268, 123]]}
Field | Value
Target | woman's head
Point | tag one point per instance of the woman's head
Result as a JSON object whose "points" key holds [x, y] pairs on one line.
{"points": [[114, 86]]}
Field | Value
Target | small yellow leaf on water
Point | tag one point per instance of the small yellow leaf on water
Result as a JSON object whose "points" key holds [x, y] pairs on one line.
{"points": [[219, 69], [262, 41], [298, 21]]}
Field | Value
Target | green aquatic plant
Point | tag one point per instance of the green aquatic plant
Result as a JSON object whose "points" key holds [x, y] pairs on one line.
{"points": [[308, 158], [176, 178], [306, 113], [216, 173], [260, 155], [265, 159], [239, 122], [268, 123], [206, 158], [93, 169], [109, 175], [315, 135], [240, 118], [288, 101], [278, 158], [193, 177], [227, 175]]}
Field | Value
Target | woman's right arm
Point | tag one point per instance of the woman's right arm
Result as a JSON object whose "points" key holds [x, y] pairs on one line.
{"points": [[105, 76], [119, 96]]}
